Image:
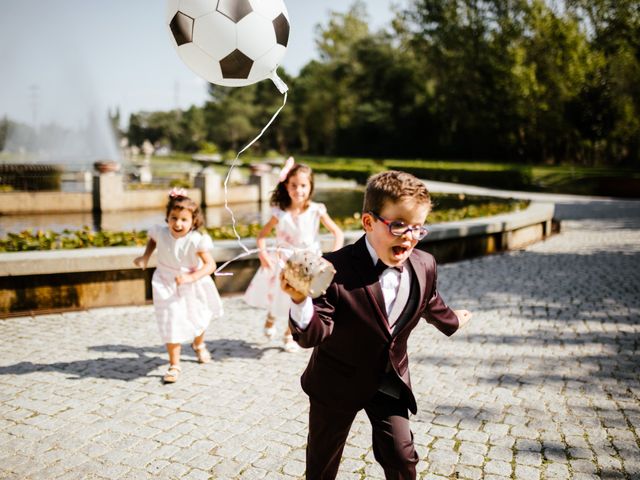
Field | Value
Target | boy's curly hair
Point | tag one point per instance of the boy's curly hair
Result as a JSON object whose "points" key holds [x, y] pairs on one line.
{"points": [[280, 197], [181, 202], [392, 186]]}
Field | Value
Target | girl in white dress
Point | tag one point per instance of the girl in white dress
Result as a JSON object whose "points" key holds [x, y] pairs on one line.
{"points": [[185, 298], [296, 220]]}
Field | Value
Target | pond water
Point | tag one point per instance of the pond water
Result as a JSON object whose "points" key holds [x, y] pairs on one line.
{"points": [[340, 203]]}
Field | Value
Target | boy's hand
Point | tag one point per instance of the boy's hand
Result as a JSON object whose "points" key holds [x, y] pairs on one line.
{"points": [[141, 262], [463, 317], [295, 295]]}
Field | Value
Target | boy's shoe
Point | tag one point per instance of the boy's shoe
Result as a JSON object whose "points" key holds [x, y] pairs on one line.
{"points": [[201, 352], [290, 345], [171, 376]]}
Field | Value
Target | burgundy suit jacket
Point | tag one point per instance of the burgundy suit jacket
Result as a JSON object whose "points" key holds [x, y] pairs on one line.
{"points": [[348, 331]]}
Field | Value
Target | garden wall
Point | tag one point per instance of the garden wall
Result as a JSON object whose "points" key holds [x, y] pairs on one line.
{"points": [[45, 281], [110, 195]]}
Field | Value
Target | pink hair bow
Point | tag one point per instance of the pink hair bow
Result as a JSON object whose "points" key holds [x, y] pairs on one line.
{"points": [[286, 168], [177, 192]]}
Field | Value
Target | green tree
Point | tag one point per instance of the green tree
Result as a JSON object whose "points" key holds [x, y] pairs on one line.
{"points": [[229, 115], [611, 118], [193, 130], [157, 127], [325, 97]]}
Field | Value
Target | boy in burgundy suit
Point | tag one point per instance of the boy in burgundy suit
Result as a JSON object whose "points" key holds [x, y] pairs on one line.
{"points": [[359, 330]]}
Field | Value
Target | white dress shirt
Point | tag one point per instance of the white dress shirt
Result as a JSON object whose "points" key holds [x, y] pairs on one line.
{"points": [[301, 313]]}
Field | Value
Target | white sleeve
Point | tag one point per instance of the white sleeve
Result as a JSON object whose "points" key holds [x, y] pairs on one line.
{"points": [[277, 212], [154, 232], [301, 313], [322, 209], [205, 244]]}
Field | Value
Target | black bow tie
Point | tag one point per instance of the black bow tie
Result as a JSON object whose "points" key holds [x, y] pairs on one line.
{"points": [[381, 267]]}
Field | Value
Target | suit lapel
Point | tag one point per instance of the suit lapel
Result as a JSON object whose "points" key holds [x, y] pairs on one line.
{"points": [[420, 271]]}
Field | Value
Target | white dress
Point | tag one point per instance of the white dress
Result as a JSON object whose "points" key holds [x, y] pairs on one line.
{"points": [[293, 233], [182, 312]]}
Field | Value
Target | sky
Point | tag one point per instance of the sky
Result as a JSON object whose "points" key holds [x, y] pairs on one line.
{"points": [[62, 59]]}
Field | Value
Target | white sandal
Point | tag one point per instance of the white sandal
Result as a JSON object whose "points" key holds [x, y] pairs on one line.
{"points": [[201, 352], [171, 376], [290, 345]]}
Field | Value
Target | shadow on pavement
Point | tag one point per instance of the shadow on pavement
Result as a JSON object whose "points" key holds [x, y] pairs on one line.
{"points": [[129, 368]]}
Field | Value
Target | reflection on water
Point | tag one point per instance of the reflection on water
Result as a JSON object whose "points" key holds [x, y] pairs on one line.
{"points": [[340, 203]]}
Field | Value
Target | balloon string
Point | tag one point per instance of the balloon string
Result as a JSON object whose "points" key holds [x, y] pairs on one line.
{"points": [[247, 252], [234, 163]]}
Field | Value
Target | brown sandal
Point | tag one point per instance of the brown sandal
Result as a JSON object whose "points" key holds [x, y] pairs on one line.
{"points": [[201, 352], [172, 374]]}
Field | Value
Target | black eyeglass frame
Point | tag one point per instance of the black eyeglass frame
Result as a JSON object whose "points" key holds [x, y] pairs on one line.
{"points": [[418, 233]]}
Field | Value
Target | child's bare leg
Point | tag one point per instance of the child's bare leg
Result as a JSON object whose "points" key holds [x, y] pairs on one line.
{"points": [[269, 326], [173, 349], [290, 344], [200, 348], [269, 321], [198, 340]]}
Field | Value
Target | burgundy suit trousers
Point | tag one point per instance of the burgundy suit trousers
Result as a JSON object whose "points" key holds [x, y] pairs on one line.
{"points": [[392, 439]]}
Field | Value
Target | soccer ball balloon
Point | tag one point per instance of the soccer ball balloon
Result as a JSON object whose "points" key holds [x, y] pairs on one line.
{"points": [[230, 42]]}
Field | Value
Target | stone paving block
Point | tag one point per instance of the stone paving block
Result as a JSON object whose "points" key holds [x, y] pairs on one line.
{"points": [[502, 440], [498, 467], [472, 436], [580, 453], [490, 476], [500, 453], [441, 468], [496, 429], [467, 472], [585, 476], [473, 459], [294, 468], [195, 474], [523, 472], [374, 471], [556, 470], [584, 466], [607, 462]]}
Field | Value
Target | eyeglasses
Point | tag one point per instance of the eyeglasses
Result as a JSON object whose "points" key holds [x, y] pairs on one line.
{"points": [[398, 228]]}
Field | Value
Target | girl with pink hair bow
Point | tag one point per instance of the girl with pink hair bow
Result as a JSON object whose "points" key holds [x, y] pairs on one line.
{"points": [[296, 220]]}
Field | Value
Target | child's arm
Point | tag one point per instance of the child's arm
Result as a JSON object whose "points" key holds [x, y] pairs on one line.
{"points": [[440, 315], [338, 236], [143, 260], [207, 268], [261, 242]]}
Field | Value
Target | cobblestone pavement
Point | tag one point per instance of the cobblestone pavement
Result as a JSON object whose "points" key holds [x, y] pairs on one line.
{"points": [[543, 384]]}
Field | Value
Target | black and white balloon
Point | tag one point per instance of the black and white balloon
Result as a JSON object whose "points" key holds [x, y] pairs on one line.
{"points": [[230, 42]]}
